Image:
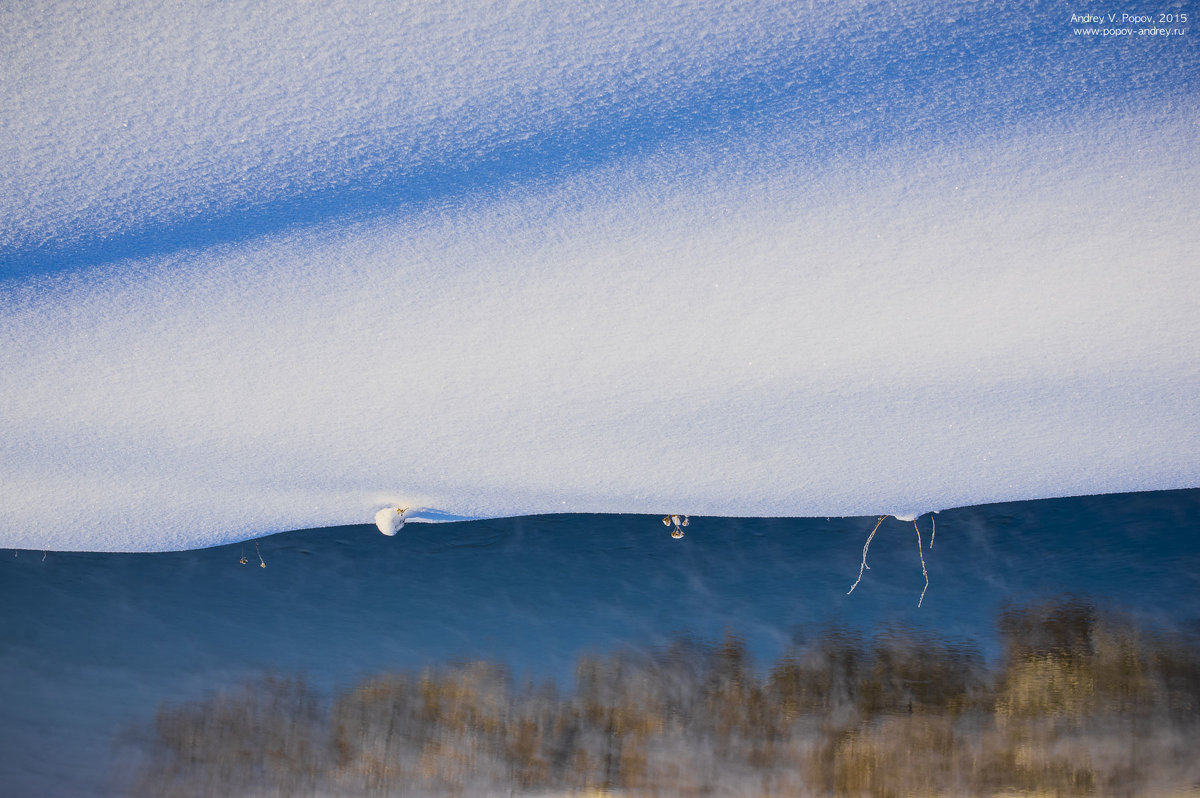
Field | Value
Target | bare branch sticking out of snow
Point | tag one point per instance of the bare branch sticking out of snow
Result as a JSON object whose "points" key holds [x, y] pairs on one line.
{"points": [[924, 573], [920, 551], [867, 545]]}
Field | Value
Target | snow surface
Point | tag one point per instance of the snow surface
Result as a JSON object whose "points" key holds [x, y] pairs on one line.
{"points": [[271, 268]]}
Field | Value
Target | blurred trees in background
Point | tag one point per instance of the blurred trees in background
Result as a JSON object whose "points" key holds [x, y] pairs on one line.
{"points": [[1082, 703]]}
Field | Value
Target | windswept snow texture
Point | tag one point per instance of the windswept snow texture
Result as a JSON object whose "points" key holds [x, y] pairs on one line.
{"points": [[269, 267]]}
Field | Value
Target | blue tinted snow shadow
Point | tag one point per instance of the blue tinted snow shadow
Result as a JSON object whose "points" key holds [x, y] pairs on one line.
{"points": [[985, 71], [101, 639]]}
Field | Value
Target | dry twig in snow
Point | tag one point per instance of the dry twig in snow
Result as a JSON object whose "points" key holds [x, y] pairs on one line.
{"points": [[864, 566], [921, 552]]}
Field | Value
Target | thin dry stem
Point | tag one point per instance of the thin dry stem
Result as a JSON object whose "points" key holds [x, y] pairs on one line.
{"points": [[932, 535], [925, 573], [867, 545]]}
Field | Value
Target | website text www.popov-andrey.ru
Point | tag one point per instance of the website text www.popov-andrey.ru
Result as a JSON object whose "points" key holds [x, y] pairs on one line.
{"points": [[1123, 23]]}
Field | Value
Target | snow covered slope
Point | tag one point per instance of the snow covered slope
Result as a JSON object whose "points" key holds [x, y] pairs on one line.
{"points": [[271, 269]]}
